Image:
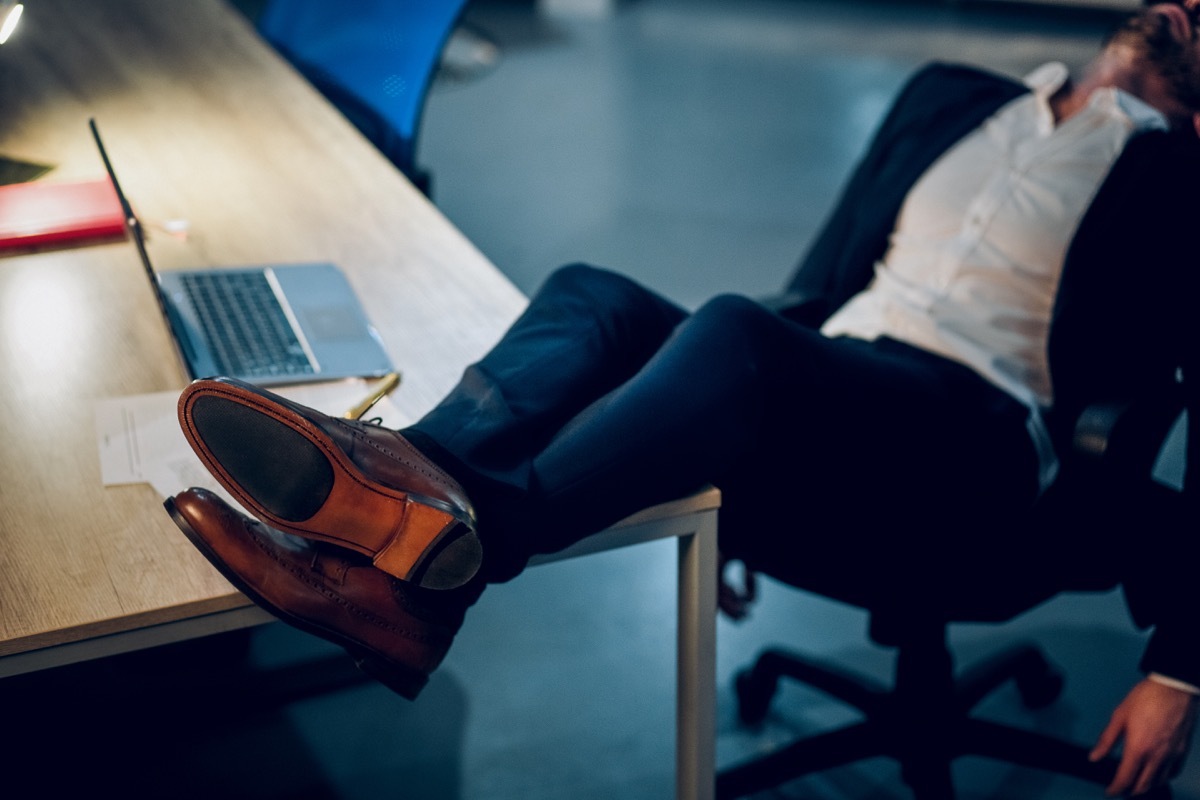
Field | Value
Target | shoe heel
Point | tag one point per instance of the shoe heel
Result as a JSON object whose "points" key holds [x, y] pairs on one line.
{"points": [[406, 683]]}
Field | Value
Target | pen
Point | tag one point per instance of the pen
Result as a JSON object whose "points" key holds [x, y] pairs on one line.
{"points": [[381, 390]]}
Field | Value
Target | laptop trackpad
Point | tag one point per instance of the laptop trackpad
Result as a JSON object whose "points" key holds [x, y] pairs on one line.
{"points": [[333, 323], [342, 339]]}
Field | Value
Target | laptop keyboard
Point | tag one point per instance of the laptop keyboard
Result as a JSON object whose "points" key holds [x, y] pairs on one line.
{"points": [[245, 325]]}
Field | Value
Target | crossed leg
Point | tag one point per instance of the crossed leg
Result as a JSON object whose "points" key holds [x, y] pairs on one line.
{"points": [[601, 399]]}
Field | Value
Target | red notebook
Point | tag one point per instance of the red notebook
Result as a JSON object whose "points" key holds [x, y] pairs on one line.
{"points": [[40, 213]]}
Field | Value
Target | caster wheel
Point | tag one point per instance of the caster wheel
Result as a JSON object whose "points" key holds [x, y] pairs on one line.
{"points": [[754, 697]]}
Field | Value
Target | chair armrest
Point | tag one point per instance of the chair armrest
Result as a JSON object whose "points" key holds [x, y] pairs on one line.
{"points": [[1126, 436]]}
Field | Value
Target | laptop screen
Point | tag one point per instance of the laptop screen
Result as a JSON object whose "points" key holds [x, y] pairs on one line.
{"points": [[134, 226]]}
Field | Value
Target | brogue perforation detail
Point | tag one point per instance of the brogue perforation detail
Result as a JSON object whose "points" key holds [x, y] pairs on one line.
{"points": [[424, 466], [358, 611]]}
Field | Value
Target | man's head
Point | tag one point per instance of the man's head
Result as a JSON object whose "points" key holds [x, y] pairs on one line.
{"points": [[1159, 49]]}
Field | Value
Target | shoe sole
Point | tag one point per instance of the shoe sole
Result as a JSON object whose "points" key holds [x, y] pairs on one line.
{"points": [[402, 680], [285, 470]]}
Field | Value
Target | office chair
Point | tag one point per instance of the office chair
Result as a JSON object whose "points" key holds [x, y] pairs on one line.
{"points": [[923, 720], [373, 59]]}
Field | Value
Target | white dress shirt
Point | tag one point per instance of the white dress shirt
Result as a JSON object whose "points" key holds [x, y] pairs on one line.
{"points": [[973, 264]]}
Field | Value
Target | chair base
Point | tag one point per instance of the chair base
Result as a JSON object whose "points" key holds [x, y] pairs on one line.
{"points": [[923, 721]]}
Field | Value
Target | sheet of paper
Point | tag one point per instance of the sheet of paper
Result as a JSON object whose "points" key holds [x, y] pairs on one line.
{"points": [[140, 441], [135, 432]]}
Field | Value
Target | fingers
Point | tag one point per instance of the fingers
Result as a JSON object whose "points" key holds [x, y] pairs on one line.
{"points": [[1154, 724], [1148, 777], [1137, 774], [1108, 738], [1129, 773], [1150, 774]]}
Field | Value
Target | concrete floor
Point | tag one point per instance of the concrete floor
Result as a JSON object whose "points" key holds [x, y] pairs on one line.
{"points": [[696, 146]]}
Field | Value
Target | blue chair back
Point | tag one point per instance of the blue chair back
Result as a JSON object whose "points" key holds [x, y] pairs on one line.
{"points": [[373, 59]]}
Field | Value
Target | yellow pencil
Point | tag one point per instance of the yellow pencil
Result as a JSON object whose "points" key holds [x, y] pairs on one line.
{"points": [[385, 387]]}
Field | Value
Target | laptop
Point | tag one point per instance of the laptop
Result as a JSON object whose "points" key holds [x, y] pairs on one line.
{"points": [[266, 325]]}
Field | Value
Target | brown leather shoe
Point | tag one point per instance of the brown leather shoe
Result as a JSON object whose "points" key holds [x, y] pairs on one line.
{"points": [[345, 482], [326, 591]]}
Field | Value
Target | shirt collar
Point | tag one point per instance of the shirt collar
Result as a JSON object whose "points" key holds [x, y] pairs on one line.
{"points": [[1050, 77], [1143, 115], [1047, 79]]}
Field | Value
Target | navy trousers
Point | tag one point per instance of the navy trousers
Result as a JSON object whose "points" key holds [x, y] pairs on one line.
{"points": [[604, 398]]}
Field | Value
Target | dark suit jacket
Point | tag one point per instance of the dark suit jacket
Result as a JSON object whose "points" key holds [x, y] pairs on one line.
{"points": [[1123, 326]]}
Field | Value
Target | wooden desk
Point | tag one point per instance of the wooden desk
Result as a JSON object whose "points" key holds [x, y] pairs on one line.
{"points": [[204, 124], [207, 125]]}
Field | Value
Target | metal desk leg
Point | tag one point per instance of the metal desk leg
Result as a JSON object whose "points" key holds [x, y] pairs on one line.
{"points": [[695, 712]]}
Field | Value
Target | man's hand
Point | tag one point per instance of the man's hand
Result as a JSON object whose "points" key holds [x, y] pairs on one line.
{"points": [[1154, 723], [735, 601]]}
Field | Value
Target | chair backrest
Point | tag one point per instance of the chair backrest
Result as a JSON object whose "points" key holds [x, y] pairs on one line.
{"points": [[373, 59]]}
